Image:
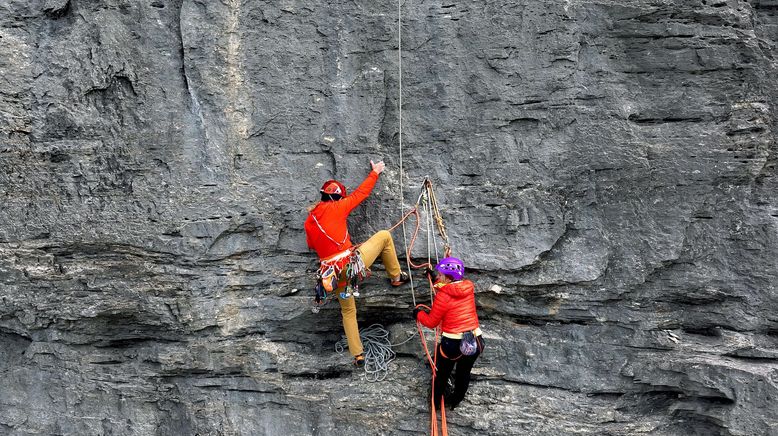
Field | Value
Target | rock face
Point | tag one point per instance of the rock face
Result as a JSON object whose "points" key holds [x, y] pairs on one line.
{"points": [[607, 170]]}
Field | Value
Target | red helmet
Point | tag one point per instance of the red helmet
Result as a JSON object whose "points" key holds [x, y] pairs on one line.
{"points": [[333, 187]]}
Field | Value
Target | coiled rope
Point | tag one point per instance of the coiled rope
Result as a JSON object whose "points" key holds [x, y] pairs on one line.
{"points": [[378, 351]]}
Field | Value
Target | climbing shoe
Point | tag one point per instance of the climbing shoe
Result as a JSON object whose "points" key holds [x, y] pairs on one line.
{"points": [[448, 393], [359, 361], [452, 405], [449, 390], [403, 279]]}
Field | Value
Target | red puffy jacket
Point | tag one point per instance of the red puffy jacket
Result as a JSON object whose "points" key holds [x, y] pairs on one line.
{"points": [[331, 216], [454, 308]]}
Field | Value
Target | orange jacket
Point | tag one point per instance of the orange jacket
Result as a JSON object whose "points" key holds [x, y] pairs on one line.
{"points": [[453, 308], [331, 216]]}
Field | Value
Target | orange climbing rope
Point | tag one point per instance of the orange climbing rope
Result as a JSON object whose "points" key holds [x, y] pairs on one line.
{"points": [[426, 188], [433, 361], [435, 211], [428, 194]]}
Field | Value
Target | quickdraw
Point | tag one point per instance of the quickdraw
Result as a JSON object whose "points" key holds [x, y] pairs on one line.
{"points": [[356, 272], [329, 273]]}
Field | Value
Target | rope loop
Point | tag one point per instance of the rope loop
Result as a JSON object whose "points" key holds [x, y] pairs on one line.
{"points": [[378, 351]]}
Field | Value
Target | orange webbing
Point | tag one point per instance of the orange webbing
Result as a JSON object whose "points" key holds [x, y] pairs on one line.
{"points": [[433, 366], [439, 222], [410, 246], [413, 211], [426, 189]]}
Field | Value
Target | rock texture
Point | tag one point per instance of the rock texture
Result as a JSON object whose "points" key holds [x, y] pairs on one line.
{"points": [[607, 169]]}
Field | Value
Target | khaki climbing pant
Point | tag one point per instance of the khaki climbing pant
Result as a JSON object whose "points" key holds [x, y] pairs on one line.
{"points": [[379, 244]]}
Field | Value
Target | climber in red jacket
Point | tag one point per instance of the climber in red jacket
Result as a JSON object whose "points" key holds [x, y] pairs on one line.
{"points": [[327, 233], [461, 342]]}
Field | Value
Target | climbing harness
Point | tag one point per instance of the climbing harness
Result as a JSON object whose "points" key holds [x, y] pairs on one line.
{"points": [[329, 273], [329, 270]]}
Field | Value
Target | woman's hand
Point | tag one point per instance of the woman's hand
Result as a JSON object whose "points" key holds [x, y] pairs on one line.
{"points": [[432, 274], [418, 309]]}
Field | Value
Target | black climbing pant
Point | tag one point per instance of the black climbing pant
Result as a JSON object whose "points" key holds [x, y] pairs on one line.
{"points": [[451, 359]]}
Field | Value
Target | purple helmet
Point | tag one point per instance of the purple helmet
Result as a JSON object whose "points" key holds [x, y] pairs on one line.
{"points": [[451, 266]]}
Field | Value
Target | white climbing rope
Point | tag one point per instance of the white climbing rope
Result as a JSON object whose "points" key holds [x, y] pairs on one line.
{"points": [[378, 351], [431, 241], [432, 244], [400, 119]]}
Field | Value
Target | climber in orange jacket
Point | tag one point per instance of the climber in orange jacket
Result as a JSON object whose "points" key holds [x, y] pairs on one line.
{"points": [[327, 233], [461, 342]]}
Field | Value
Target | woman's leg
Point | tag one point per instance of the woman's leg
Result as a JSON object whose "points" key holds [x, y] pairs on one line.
{"points": [[441, 377], [448, 350], [462, 376], [381, 244]]}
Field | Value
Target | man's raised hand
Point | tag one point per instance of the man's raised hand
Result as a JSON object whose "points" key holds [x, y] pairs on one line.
{"points": [[378, 167]]}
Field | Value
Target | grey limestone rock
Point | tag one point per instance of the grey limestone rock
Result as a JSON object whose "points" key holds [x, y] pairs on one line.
{"points": [[607, 169]]}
